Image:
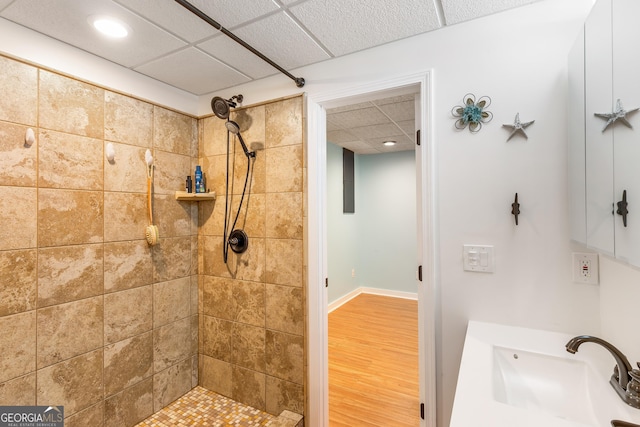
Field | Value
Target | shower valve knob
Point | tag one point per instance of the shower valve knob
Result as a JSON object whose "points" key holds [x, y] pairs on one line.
{"points": [[238, 241]]}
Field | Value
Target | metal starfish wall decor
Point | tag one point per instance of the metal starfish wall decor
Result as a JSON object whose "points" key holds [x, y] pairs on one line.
{"points": [[518, 126], [618, 114]]}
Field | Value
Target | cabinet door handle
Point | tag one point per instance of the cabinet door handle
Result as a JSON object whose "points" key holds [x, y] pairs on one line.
{"points": [[622, 208]]}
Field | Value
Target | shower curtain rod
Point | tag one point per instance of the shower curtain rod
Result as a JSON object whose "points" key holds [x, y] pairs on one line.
{"points": [[298, 80]]}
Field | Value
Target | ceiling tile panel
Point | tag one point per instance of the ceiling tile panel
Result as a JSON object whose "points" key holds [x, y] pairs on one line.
{"points": [[231, 13], [193, 71], [350, 107], [341, 136], [283, 41], [456, 11], [359, 117], [237, 56], [54, 18], [172, 17], [346, 26], [408, 127], [399, 111], [396, 99], [331, 125], [377, 131]]}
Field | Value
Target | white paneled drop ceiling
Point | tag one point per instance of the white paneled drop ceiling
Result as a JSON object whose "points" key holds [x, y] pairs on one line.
{"points": [[364, 127], [169, 43]]}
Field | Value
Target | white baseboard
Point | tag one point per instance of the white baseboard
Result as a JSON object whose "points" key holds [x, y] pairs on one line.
{"points": [[374, 291], [343, 299]]}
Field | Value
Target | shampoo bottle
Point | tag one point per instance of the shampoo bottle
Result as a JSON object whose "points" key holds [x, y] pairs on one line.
{"points": [[198, 180]]}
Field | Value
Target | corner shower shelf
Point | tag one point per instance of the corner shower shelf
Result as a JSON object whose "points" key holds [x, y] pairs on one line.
{"points": [[183, 195]]}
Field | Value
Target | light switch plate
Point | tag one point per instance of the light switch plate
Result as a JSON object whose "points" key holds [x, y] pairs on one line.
{"points": [[585, 268], [478, 258]]}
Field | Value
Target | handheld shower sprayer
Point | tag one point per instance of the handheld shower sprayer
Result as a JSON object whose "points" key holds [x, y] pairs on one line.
{"points": [[233, 238], [237, 239], [235, 129]]}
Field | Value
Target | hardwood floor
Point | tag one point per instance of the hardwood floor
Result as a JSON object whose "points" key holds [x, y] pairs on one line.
{"points": [[373, 363]]}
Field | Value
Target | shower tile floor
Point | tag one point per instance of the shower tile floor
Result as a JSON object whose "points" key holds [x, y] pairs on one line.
{"points": [[201, 407]]}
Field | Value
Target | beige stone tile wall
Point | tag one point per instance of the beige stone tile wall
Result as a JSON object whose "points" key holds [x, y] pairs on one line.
{"points": [[252, 319], [91, 317]]}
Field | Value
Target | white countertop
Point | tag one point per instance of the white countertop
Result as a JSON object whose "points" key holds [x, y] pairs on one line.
{"points": [[477, 402]]}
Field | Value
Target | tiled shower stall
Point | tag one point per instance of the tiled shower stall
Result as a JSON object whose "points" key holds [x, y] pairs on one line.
{"points": [[91, 316]]}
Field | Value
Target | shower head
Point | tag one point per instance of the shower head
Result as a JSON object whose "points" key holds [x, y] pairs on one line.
{"points": [[234, 128], [222, 107]]}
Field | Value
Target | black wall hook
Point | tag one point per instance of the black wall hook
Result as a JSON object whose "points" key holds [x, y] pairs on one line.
{"points": [[622, 208], [515, 208]]}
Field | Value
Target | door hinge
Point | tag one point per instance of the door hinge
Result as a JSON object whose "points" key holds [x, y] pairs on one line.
{"points": [[420, 273], [418, 137], [422, 411], [326, 282]]}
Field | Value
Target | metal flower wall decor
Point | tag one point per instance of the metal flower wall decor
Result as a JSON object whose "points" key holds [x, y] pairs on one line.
{"points": [[472, 113]]}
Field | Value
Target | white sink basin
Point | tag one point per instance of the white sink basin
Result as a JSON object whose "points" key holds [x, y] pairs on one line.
{"points": [[539, 382], [512, 376]]}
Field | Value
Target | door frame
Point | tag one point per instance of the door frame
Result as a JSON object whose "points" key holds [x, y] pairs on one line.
{"points": [[428, 312]]}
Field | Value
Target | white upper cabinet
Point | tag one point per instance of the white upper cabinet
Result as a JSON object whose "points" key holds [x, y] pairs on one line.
{"points": [[599, 143], [626, 87], [577, 188], [610, 149]]}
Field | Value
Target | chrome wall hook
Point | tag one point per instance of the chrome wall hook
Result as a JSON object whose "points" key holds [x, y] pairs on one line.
{"points": [[515, 208]]}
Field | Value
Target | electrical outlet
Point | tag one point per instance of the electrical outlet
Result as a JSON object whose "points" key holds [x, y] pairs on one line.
{"points": [[585, 268], [353, 272]]}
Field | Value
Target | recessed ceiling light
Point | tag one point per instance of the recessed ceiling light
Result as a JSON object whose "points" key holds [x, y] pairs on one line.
{"points": [[108, 26], [389, 143]]}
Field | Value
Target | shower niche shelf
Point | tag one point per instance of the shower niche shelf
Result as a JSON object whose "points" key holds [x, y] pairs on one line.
{"points": [[183, 195]]}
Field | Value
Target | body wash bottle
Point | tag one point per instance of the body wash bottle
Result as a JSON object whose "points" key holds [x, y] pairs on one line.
{"points": [[198, 180]]}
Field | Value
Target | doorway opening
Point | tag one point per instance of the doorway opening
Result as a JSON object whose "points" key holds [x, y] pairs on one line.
{"points": [[371, 256], [318, 278]]}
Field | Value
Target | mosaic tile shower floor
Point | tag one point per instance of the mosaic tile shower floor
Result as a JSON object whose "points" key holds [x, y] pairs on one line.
{"points": [[201, 407]]}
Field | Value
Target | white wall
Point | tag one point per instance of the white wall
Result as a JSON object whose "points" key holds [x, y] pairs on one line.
{"points": [[378, 241], [342, 237], [386, 203], [619, 296], [519, 59]]}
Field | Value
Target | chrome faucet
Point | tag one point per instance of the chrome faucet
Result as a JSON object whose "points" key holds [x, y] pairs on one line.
{"points": [[623, 379]]}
